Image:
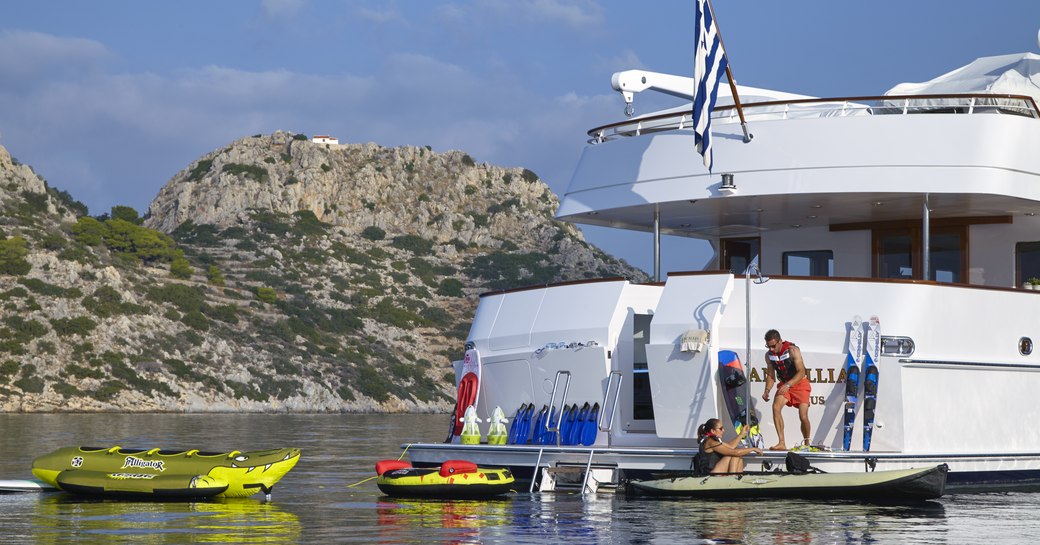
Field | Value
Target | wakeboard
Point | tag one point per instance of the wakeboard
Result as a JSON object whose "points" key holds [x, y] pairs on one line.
{"points": [[870, 378], [467, 392], [733, 392], [852, 357]]}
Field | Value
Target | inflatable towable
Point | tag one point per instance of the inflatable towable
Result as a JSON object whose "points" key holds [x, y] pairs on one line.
{"points": [[453, 479], [163, 473]]}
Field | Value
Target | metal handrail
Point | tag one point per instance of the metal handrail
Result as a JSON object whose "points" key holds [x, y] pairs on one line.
{"points": [[552, 405], [966, 103], [613, 406]]}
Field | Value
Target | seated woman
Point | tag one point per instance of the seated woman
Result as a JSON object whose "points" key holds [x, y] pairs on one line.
{"points": [[716, 455]]}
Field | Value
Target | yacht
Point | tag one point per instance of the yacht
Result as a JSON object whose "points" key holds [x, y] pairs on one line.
{"points": [[917, 209]]}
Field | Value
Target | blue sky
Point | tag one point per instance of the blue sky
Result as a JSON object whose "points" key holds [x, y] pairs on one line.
{"points": [[108, 99]]}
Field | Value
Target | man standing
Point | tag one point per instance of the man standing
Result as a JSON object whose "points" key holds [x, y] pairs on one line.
{"points": [[784, 362]]}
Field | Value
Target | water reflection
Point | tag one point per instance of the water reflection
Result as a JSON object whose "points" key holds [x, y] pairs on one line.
{"points": [[237, 520]]}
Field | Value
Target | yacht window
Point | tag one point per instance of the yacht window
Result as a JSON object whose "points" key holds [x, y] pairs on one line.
{"points": [[946, 257], [1027, 260], [738, 253], [895, 257], [809, 263], [897, 253]]}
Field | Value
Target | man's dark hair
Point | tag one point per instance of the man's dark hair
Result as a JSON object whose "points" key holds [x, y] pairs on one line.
{"points": [[772, 335]]}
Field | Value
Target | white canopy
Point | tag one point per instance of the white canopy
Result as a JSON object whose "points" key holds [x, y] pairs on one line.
{"points": [[1015, 74]]}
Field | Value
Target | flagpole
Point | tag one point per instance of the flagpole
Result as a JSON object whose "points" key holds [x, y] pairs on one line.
{"points": [[729, 76]]}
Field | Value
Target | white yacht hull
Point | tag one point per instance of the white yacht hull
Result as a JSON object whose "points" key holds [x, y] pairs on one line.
{"points": [[964, 381]]}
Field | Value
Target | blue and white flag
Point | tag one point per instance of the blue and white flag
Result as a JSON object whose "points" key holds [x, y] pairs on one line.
{"points": [[709, 66]]}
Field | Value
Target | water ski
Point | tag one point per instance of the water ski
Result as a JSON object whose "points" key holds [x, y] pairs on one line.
{"points": [[870, 378], [852, 356]]}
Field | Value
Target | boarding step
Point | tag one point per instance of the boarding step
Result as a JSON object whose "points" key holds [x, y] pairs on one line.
{"points": [[568, 477]]}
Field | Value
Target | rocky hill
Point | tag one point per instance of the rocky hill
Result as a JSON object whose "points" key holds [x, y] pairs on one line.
{"points": [[274, 274]]}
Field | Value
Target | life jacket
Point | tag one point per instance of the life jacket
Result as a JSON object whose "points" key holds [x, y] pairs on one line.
{"points": [[782, 362], [704, 461]]}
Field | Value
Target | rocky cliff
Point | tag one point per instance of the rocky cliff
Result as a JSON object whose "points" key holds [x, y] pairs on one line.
{"points": [[274, 274]]}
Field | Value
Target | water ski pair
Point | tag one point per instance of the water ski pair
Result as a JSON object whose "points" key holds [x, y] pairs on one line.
{"points": [[869, 375]]}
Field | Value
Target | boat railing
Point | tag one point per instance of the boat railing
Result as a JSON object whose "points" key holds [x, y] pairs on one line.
{"points": [[608, 415], [551, 426], [982, 103]]}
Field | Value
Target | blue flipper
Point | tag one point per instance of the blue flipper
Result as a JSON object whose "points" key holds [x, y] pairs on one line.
{"points": [[590, 429], [525, 431], [539, 426], [579, 425], [514, 426], [566, 422]]}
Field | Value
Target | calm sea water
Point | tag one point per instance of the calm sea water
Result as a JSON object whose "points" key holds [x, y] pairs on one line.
{"points": [[315, 504]]}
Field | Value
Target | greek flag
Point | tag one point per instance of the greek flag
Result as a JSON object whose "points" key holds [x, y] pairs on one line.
{"points": [[709, 65]]}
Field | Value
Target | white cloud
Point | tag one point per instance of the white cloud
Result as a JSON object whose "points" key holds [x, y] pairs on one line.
{"points": [[26, 56], [282, 8], [572, 13], [386, 15]]}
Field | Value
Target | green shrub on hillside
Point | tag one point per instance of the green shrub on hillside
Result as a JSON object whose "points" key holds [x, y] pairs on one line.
{"points": [[126, 213], [66, 390], [181, 268], [266, 295], [106, 302], [30, 384], [504, 270], [80, 325], [185, 298], [200, 170], [89, 231], [373, 233], [254, 172], [195, 320], [274, 223], [450, 287], [214, 276], [8, 368], [43, 288], [199, 234], [74, 206], [137, 243], [413, 243], [13, 252], [308, 224], [22, 329]]}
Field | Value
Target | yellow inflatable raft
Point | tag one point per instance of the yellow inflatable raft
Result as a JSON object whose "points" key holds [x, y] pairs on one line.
{"points": [[162, 473], [453, 479]]}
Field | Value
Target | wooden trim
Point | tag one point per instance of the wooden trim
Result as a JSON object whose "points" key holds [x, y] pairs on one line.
{"points": [[698, 273], [909, 224]]}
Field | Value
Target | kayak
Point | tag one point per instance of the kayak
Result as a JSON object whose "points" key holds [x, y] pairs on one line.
{"points": [[453, 479], [893, 485], [166, 473]]}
